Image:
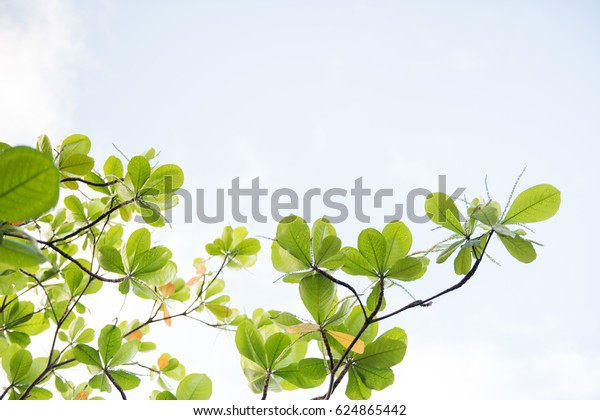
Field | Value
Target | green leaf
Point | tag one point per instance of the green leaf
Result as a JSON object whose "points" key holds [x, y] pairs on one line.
{"points": [[109, 342], [160, 277], [125, 379], [449, 250], [19, 365], [399, 241], [152, 260], [11, 281], [37, 367], [373, 298], [38, 393], [282, 260], [195, 386], [355, 388], [296, 377], [354, 323], [138, 172], [463, 261], [77, 164], [35, 325], [487, 214], [220, 311], [44, 145], [408, 269], [165, 179], [250, 246], [356, 264], [442, 211], [110, 259], [372, 245], [534, 205], [503, 230], [343, 310], [165, 395], [277, 347], [86, 336], [114, 167], [386, 351], [138, 243], [29, 184], [373, 378], [313, 368], [293, 235], [18, 253], [321, 229], [519, 248], [318, 295], [101, 382], [330, 248], [250, 344], [74, 144], [87, 355], [125, 354]]}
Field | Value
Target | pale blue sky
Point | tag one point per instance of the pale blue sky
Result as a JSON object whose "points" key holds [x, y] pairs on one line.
{"points": [[315, 94]]}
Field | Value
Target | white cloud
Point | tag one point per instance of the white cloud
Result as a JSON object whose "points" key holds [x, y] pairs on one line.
{"points": [[39, 45]]}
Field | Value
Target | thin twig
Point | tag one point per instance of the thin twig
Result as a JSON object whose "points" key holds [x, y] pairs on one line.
{"points": [[96, 221], [93, 184], [110, 378], [343, 284]]}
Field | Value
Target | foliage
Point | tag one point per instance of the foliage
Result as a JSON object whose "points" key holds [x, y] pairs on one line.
{"points": [[54, 259]]}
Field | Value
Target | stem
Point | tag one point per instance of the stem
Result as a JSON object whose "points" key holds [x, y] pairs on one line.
{"points": [[341, 376], [110, 378], [363, 328], [458, 285], [343, 284], [191, 308], [6, 391], [93, 184], [45, 292], [93, 223], [266, 385], [82, 267]]}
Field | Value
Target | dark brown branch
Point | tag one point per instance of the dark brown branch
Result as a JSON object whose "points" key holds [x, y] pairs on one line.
{"points": [[96, 221], [343, 284], [266, 385], [458, 285], [93, 184], [82, 267], [39, 283], [6, 391], [110, 378]]}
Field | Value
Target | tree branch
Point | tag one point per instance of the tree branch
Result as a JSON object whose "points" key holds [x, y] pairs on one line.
{"points": [[93, 223], [93, 184], [458, 285], [110, 378], [39, 283], [82, 267], [266, 385], [343, 284]]}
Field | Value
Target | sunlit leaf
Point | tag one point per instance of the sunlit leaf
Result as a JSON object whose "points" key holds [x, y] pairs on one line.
{"points": [[346, 339]]}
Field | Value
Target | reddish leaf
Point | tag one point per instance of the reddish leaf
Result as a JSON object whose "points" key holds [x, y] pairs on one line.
{"points": [[136, 334], [193, 281], [83, 395], [346, 339], [166, 315], [163, 361], [168, 289]]}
